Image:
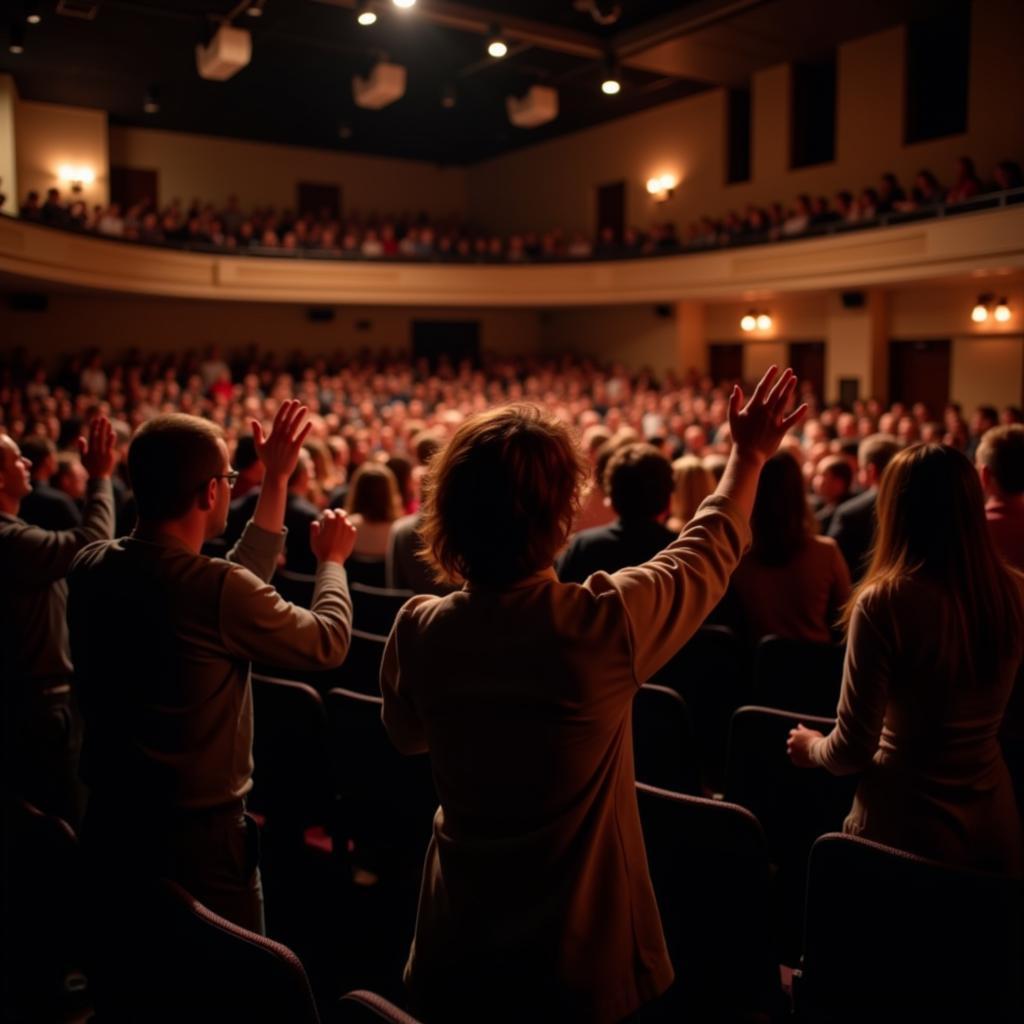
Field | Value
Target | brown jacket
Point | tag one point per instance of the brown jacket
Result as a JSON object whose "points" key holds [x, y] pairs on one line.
{"points": [[536, 883]]}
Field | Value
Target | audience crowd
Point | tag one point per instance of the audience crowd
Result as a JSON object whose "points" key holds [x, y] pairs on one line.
{"points": [[409, 236], [779, 515]]}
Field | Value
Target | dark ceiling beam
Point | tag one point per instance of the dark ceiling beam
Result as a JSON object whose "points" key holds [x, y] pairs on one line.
{"points": [[688, 19]]}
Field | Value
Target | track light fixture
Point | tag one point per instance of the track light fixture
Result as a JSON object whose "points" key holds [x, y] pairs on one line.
{"points": [[365, 14], [32, 15], [404, 4], [16, 39], [754, 320], [611, 81], [989, 306], [497, 47]]}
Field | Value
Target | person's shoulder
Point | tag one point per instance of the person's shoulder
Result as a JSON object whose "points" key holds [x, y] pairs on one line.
{"points": [[857, 505], [93, 556], [406, 524], [824, 547]]}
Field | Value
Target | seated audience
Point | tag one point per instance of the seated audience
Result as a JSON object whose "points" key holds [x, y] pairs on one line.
{"points": [[595, 506], [520, 688], [70, 477], [373, 504], [792, 583], [692, 483], [46, 506], [639, 484], [935, 640], [966, 184], [41, 724], [167, 749], [1000, 461], [853, 523], [832, 485]]}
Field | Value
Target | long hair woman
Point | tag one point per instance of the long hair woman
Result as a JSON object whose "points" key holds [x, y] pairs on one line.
{"points": [[692, 483], [536, 902], [935, 640], [792, 582]]}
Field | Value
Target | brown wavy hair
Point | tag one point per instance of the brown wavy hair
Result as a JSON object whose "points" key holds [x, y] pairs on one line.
{"points": [[501, 497], [931, 525]]}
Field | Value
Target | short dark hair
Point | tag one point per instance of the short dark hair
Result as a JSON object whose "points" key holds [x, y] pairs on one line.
{"points": [[37, 448], [169, 459], [839, 468], [501, 496], [989, 412], [1002, 450], [245, 452], [877, 450], [639, 482]]}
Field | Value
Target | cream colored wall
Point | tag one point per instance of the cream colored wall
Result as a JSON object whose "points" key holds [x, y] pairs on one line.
{"points": [[987, 371], [48, 136], [636, 336], [116, 323], [260, 173], [8, 161], [687, 138]]}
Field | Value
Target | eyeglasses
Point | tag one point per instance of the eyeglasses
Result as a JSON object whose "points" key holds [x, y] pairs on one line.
{"points": [[231, 476]]}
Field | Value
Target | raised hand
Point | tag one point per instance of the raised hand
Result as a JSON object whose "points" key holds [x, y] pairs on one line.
{"points": [[332, 538], [798, 745], [99, 455], [759, 427], [279, 451]]}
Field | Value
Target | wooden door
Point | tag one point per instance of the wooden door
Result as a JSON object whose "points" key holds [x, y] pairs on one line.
{"points": [[725, 362], [130, 186], [808, 361], [919, 372], [453, 340]]}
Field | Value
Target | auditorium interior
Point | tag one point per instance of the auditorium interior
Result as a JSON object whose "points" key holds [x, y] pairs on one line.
{"points": [[551, 479]]}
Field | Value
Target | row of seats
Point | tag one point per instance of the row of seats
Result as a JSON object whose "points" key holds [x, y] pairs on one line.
{"points": [[886, 935]]}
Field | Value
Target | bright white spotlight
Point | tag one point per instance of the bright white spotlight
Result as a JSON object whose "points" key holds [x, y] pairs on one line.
{"points": [[748, 322], [497, 48], [1002, 311], [404, 4], [979, 314], [611, 87], [366, 18], [764, 322]]}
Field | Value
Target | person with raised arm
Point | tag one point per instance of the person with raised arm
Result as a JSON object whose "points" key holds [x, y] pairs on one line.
{"points": [[520, 687], [163, 638]]}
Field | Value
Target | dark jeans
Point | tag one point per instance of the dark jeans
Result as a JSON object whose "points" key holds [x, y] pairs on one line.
{"points": [[213, 854]]}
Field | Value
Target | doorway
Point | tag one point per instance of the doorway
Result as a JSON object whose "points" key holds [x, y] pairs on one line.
{"points": [[807, 358], [725, 362], [453, 341], [319, 200], [919, 371], [130, 186], [611, 208]]}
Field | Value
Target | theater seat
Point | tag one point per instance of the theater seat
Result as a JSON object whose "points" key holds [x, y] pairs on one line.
{"points": [[292, 777], [890, 936], [362, 1007], [295, 587], [366, 570], [794, 675], [168, 958], [711, 873], [374, 609], [664, 747], [794, 805]]}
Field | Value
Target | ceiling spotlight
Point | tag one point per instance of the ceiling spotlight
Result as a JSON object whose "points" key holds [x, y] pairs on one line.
{"points": [[449, 97], [365, 14], [404, 4], [1002, 311], [32, 15], [611, 84], [496, 45], [16, 40], [255, 9], [151, 104], [980, 312], [748, 322], [764, 322]]}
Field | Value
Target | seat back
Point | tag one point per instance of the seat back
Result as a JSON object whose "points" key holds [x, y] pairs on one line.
{"points": [[292, 773], [295, 587], [374, 609], [664, 746], [710, 675], [366, 570], [166, 957], [794, 805], [363, 1007], [709, 865], [386, 799], [885, 928], [795, 675]]}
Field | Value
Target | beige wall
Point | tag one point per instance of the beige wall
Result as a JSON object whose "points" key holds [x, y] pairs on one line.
{"points": [[259, 173], [8, 162], [687, 138], [116, 323], [48, 136], [636, 336], [987, 371]]}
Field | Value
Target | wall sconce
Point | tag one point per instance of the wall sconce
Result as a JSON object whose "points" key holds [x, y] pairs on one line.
{"points": [[756, 321], [661, 187], [987, 305], [76, 177]]}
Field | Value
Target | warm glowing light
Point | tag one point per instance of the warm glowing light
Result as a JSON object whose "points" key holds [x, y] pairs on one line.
{"points": [[367, 18], [661, 185], [1002, 311], [76, 175], [979, 314], [611, 87], [404, 4], [764, 322], [497, 48], [748, 322]]}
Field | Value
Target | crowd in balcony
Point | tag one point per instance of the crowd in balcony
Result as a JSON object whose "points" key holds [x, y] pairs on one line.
{"points": [[408, 236]]}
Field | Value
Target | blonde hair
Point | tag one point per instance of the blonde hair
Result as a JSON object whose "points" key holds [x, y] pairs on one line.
{"points": [[693, 483]]}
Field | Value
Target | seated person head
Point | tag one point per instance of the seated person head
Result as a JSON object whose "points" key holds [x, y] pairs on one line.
{"points": [[1000, 461], [70, 475], [638, 480], [833, 479], [501, 497], [873, 455], [179, 468], [42, 453]]}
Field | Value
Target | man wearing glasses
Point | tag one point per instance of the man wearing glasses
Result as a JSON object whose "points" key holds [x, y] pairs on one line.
{"points": [[163, 638]]}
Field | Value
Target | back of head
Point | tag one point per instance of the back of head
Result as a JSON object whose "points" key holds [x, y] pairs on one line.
{"points": [[781, 521], [501, 496], [693, 482], [37, 450], [1002, 451], [877, 450], [931, 525], [169, 459], [638, 479], [373, 494], [246, 455], [425, 445]]}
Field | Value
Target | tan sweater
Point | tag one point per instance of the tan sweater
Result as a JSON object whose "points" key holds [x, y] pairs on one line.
{"points": [[536, 876], [163, 639]]}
